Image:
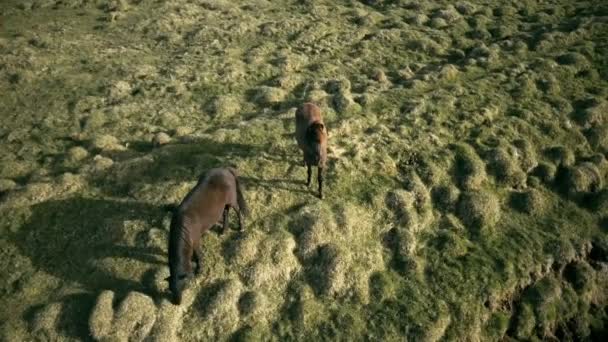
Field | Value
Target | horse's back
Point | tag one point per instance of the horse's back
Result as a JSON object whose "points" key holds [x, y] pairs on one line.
{"points": [[306, 114], [206, 202], [221, 184]]}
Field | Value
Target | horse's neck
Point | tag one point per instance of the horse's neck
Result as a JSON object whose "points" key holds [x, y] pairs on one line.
{"points": [[178, 241]]}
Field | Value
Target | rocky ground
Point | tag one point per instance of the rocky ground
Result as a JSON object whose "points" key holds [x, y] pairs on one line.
{"points": [[466, 193]]}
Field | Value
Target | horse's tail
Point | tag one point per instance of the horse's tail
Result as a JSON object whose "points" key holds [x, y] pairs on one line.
{"points": [[305, 91], [240, 199]]}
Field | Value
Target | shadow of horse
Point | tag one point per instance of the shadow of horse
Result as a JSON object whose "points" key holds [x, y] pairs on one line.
{"points": [[67, 238], [77, 239], [274, 184], [179, 161]]}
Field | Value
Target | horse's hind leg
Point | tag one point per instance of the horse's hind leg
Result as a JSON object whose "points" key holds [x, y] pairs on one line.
{"points": [[225, 219], [320, 180], [309, 171]]}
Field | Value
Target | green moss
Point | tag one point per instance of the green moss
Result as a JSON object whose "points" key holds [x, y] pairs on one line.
{"points": [[225, 106], [269, 95], [469, 168], [600, 201], [506, 168], [561, 155], [582, 179], [446, 197], [7, 185], [452, 244], [480, 211], [94, 121], [497, 325], [581, 275], [106, 142], [598, 137], [525, 322], [382, 286], [531, 202], [412, 92], [545, 172]]}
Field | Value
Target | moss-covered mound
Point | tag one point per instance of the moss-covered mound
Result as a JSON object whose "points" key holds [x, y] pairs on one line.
{"points": [[465, 185]]}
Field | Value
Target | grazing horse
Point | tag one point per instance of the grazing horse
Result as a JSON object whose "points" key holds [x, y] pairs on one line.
{"points": [[209, 201], [311, 135]]}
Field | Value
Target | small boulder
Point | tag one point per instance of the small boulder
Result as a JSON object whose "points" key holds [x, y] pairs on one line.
{"points": [[182, 131], [106, 142], [378, 75], [438, 23], [101, 162], [77, 153], [119, 91], [7, 185], [161, 138]]}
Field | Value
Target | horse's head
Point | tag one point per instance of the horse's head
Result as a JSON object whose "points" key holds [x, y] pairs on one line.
{"points": [[317, 137], [316, 132], [176, 286]]}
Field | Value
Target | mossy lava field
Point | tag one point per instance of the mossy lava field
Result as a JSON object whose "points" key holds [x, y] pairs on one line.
{"points": [[466, 188]]}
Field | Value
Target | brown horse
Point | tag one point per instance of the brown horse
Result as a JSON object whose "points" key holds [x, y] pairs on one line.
{"points": [[209, 201], [311, 135]]}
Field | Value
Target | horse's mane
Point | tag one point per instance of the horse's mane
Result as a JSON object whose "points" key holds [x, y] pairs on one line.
{"points": [[315, 132]]}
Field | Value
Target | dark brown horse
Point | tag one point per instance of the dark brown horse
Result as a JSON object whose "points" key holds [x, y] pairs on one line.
{"points": [[311, 135], [209, 201]]}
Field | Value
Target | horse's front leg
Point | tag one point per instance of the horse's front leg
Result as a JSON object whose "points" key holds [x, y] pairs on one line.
{"points": [[196, 257], [241, 226], [225, 219], [320, 180], [309, 172]]}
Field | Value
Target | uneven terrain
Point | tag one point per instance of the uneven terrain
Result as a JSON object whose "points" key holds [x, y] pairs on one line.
{"points": [[466, 193]]}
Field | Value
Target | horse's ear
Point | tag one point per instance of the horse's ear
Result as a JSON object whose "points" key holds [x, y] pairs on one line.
{"points": [[170, 207], [232, 169]]}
